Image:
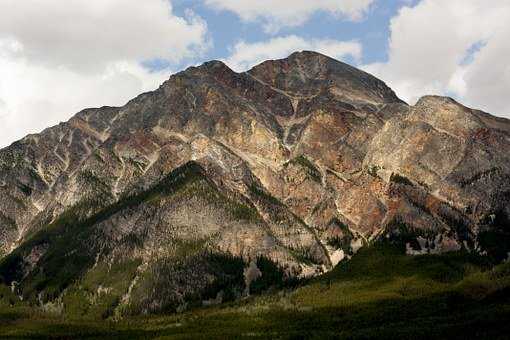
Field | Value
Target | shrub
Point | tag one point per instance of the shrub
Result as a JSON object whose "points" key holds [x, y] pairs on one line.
{"points": [[400, 179], [311, 169], [272, 276]]}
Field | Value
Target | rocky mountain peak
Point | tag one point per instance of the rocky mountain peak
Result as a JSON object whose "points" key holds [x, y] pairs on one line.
{"points": [[210, 68], [300, 161], [308, 73]]}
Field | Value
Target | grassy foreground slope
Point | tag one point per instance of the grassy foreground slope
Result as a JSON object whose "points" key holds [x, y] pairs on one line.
{"points": [[380, 293]]}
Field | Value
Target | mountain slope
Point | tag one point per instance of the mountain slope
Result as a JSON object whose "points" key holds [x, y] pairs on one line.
{"points": [[293, 165], [380, 293]]}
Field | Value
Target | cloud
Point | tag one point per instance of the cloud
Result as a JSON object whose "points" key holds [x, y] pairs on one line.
{"points": [[456, 47], [88, 34], [33, 97], [245, 55], [290, 13], [487, 78], [57, 58]]}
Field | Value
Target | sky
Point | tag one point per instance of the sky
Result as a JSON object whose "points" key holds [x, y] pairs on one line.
{"points": [[59, 57]]}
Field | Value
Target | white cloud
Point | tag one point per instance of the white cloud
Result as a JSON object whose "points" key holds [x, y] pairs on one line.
{"points": [[431, 52], [487, 78], [90, 33], [285, 13], [245, 55], [57, 57], [35, 97]]}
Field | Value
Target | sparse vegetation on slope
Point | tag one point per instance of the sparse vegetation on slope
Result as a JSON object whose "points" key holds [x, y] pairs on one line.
{"points": [[310, 168], [380, 293], [183, 197], [77, 273], [70, 248]]}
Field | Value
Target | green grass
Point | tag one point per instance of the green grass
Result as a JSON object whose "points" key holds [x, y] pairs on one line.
{"points": [[380, 293]]}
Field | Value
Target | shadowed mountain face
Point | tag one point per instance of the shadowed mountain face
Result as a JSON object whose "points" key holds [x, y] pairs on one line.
{"points": [[191, 193]]}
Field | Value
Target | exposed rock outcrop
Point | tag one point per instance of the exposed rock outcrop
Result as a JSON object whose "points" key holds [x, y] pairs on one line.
{"points": [[298, 162]]}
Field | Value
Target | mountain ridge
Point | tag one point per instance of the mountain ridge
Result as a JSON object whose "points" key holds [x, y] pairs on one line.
{"points": [[321, 157]]}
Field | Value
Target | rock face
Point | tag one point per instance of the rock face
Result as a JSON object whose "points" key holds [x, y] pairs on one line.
{"points": [[285, 169]]}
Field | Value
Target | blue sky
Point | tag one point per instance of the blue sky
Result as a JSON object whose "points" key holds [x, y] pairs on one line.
{"points": [[226, 28], [57, 57]]}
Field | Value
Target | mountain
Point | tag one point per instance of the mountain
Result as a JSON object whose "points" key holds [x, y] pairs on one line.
{"points": [[218, 184]]}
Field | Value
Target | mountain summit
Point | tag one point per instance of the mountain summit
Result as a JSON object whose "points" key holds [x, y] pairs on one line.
{"points": [[196, 191]]}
